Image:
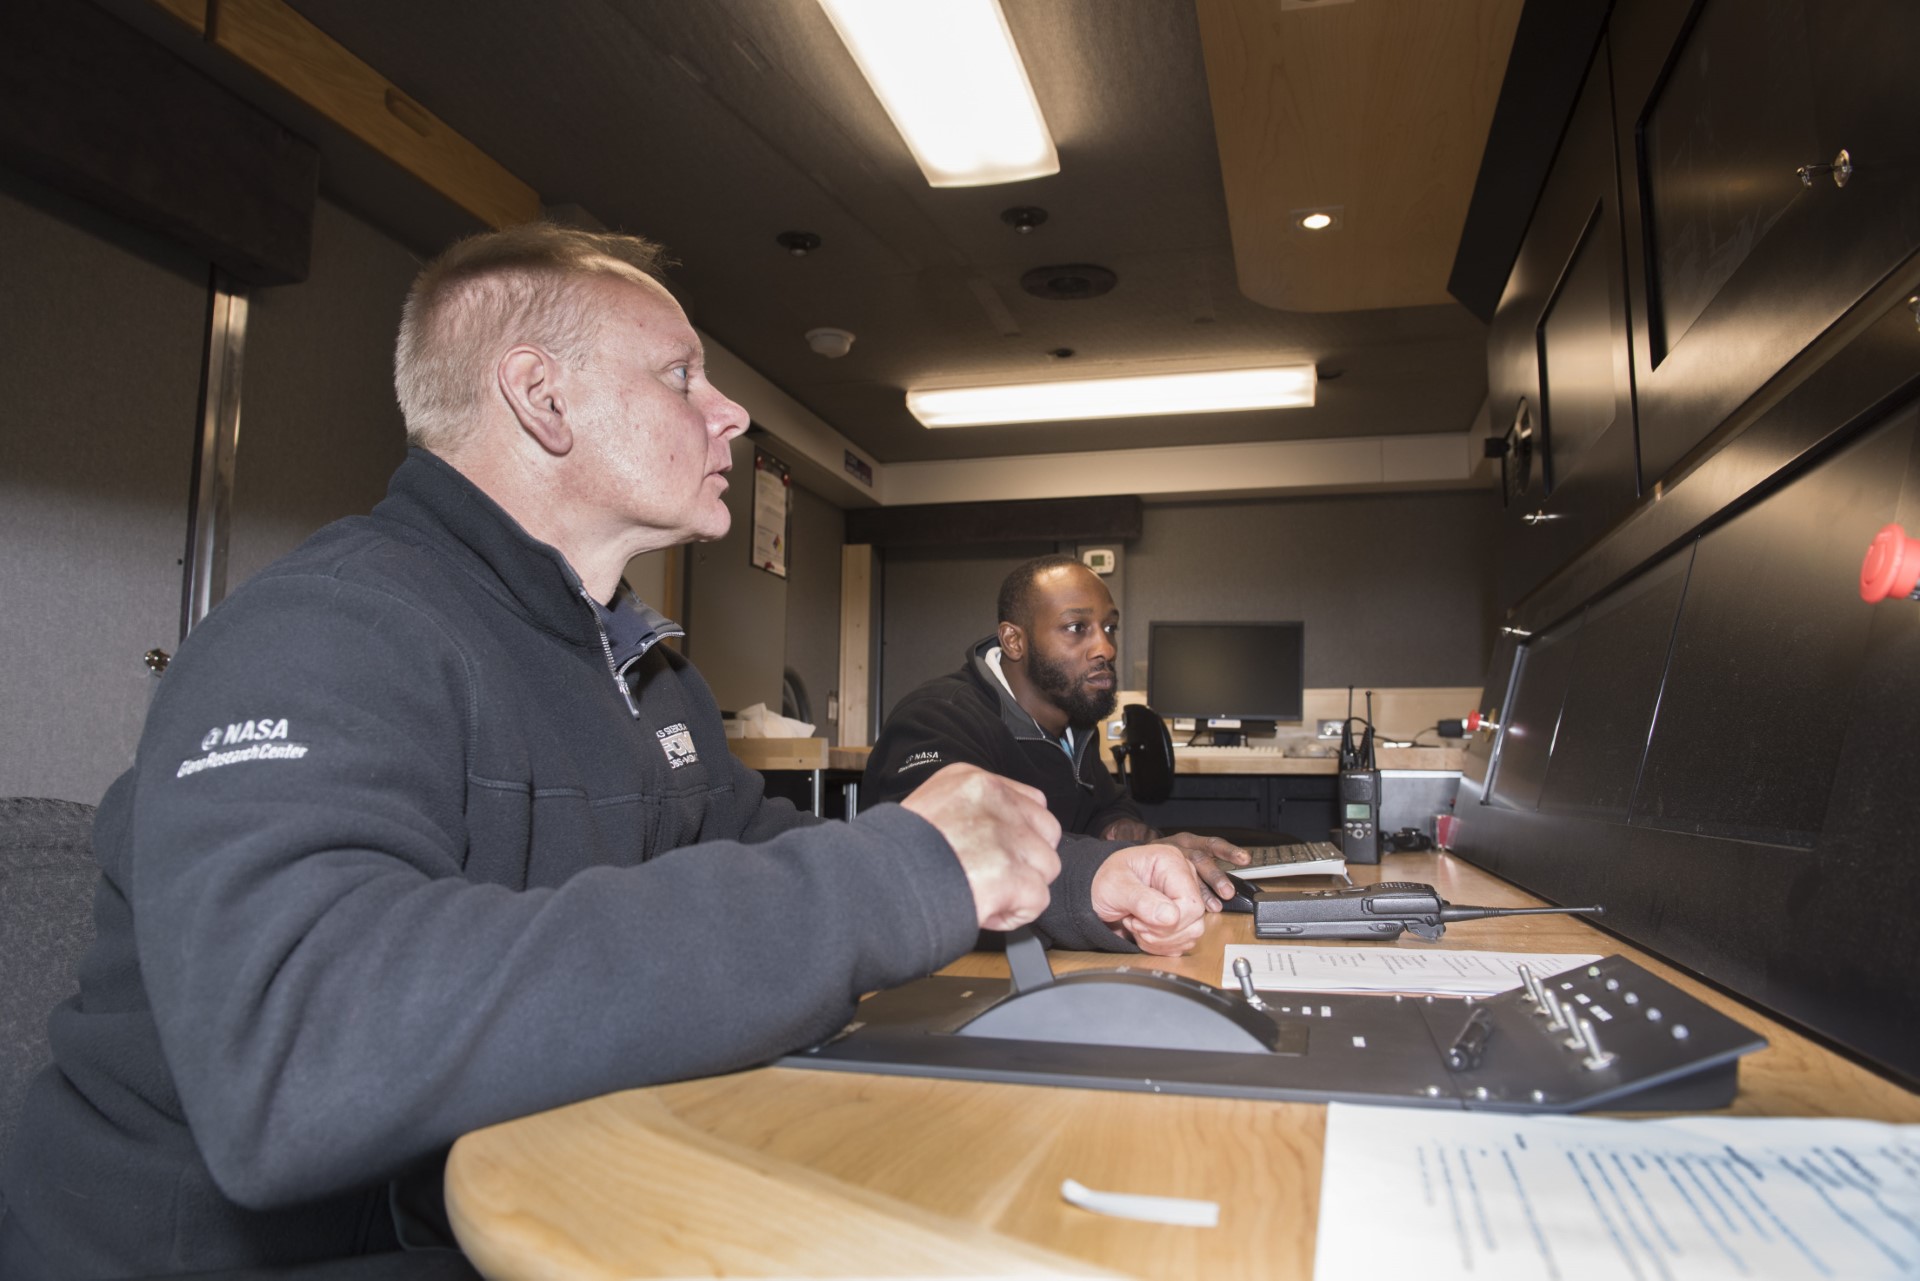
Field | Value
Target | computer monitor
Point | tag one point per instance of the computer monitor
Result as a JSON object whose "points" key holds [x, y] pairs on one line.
{"points": [[1246, 672]]}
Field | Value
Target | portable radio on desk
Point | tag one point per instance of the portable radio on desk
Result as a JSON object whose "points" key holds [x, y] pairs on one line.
{"points": [[1357, 799]]}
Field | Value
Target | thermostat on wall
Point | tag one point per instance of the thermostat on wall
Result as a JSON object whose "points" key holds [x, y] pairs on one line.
{"points": [[1098, 559]]}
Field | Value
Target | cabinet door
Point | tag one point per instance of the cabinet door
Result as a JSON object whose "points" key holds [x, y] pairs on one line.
{"points": [[1559, 371], [1735, 262]]}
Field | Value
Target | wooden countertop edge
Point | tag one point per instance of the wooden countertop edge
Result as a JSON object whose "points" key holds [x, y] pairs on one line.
{"points": [[688, 1232]]}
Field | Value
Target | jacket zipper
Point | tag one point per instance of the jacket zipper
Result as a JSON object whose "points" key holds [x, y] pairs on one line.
{"points": [[606, 649]]}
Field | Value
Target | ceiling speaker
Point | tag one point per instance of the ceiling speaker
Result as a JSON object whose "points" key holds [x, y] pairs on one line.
{"points": [[1070, 283]]}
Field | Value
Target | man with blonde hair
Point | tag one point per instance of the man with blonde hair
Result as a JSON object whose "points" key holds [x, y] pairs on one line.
{"points": [[427, 830]]}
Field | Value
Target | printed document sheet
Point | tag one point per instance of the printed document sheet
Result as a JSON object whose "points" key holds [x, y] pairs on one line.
{"points": [[1476, 1196], [1295, 968]]}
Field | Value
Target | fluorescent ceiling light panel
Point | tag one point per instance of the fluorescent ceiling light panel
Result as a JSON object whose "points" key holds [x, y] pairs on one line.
{"points": [[953, 83], [1206, 392]]}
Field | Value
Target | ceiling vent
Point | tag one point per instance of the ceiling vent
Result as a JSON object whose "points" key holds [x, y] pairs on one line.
{"points": [[1070, 283]]}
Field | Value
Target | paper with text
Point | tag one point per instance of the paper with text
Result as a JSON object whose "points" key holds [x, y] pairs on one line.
{"points": [[1294, 968], [1478, 1196]]}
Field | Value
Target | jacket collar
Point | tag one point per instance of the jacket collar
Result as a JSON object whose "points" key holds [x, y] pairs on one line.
{"points": [[1018, 720], [430, 497]]}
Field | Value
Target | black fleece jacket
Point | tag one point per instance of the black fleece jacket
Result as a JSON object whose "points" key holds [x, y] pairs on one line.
{"points": [[401, 856], [969, 716]]}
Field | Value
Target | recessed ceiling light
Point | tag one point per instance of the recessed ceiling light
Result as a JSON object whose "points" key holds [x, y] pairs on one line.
{"points": [[1202, 392], [952, 81], [1317, 221]]}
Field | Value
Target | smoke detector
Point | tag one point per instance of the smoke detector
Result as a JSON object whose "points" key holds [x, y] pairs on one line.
{"points": [[831, 343]]}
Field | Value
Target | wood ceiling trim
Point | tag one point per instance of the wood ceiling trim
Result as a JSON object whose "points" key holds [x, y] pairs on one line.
{"points": [[191, 12], [303, 60], [1379, 107]]}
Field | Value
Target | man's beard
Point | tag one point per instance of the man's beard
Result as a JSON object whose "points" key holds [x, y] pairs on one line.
{"points": [[1082, 706]]}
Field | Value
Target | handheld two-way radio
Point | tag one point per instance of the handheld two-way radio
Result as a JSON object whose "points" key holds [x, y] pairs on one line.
{"points": [[1382, 911], [1357, 798]]}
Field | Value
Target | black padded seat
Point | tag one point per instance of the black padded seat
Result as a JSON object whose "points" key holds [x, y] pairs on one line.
{"points": [[47, 878]]}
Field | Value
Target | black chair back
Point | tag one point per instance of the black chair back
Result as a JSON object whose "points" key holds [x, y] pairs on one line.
{"points": [[1145, 755]]}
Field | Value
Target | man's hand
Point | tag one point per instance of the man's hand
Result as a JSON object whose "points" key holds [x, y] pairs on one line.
{"points": [[1151, 893], [1206, 854], [1003, 836]]}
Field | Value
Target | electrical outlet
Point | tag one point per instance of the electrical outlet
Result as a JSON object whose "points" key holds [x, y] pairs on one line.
{"points": [[1331, 729]]}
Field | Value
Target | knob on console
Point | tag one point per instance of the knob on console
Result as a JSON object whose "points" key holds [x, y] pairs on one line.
{"points": [[1891, 567]]}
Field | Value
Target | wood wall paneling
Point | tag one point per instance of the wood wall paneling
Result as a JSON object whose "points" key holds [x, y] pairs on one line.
{"points": [[856, 640]]}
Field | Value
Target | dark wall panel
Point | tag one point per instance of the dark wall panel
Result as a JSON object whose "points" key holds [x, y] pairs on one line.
{"points": [[100, 111], [933, 604], [102, 337], [1767, 650], [1771, 846], [1612, 691], [1395, 589], [1557, 356], [1533, 720], [1734, 265], [319, 429]]}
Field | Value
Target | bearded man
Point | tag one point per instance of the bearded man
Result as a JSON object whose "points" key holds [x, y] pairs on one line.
{"points": [[1027, 705]]}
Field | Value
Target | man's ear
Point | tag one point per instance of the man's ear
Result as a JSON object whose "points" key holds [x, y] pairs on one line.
{"points": [[1013, 642], [529, 381]]}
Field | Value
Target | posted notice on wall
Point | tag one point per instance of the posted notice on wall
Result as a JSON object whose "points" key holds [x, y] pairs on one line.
{"points": [[772, 508], [1483, 1196]]}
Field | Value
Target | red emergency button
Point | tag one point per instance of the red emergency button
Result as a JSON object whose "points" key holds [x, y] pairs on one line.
{"points": [[1892, 566]]}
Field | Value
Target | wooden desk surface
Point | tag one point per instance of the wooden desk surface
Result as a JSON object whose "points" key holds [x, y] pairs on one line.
{"points": [[797, 754], [779, 1171]]}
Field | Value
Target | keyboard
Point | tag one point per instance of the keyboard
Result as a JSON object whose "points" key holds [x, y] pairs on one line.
{"points": [[1309, 858], [1273, 749]]}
